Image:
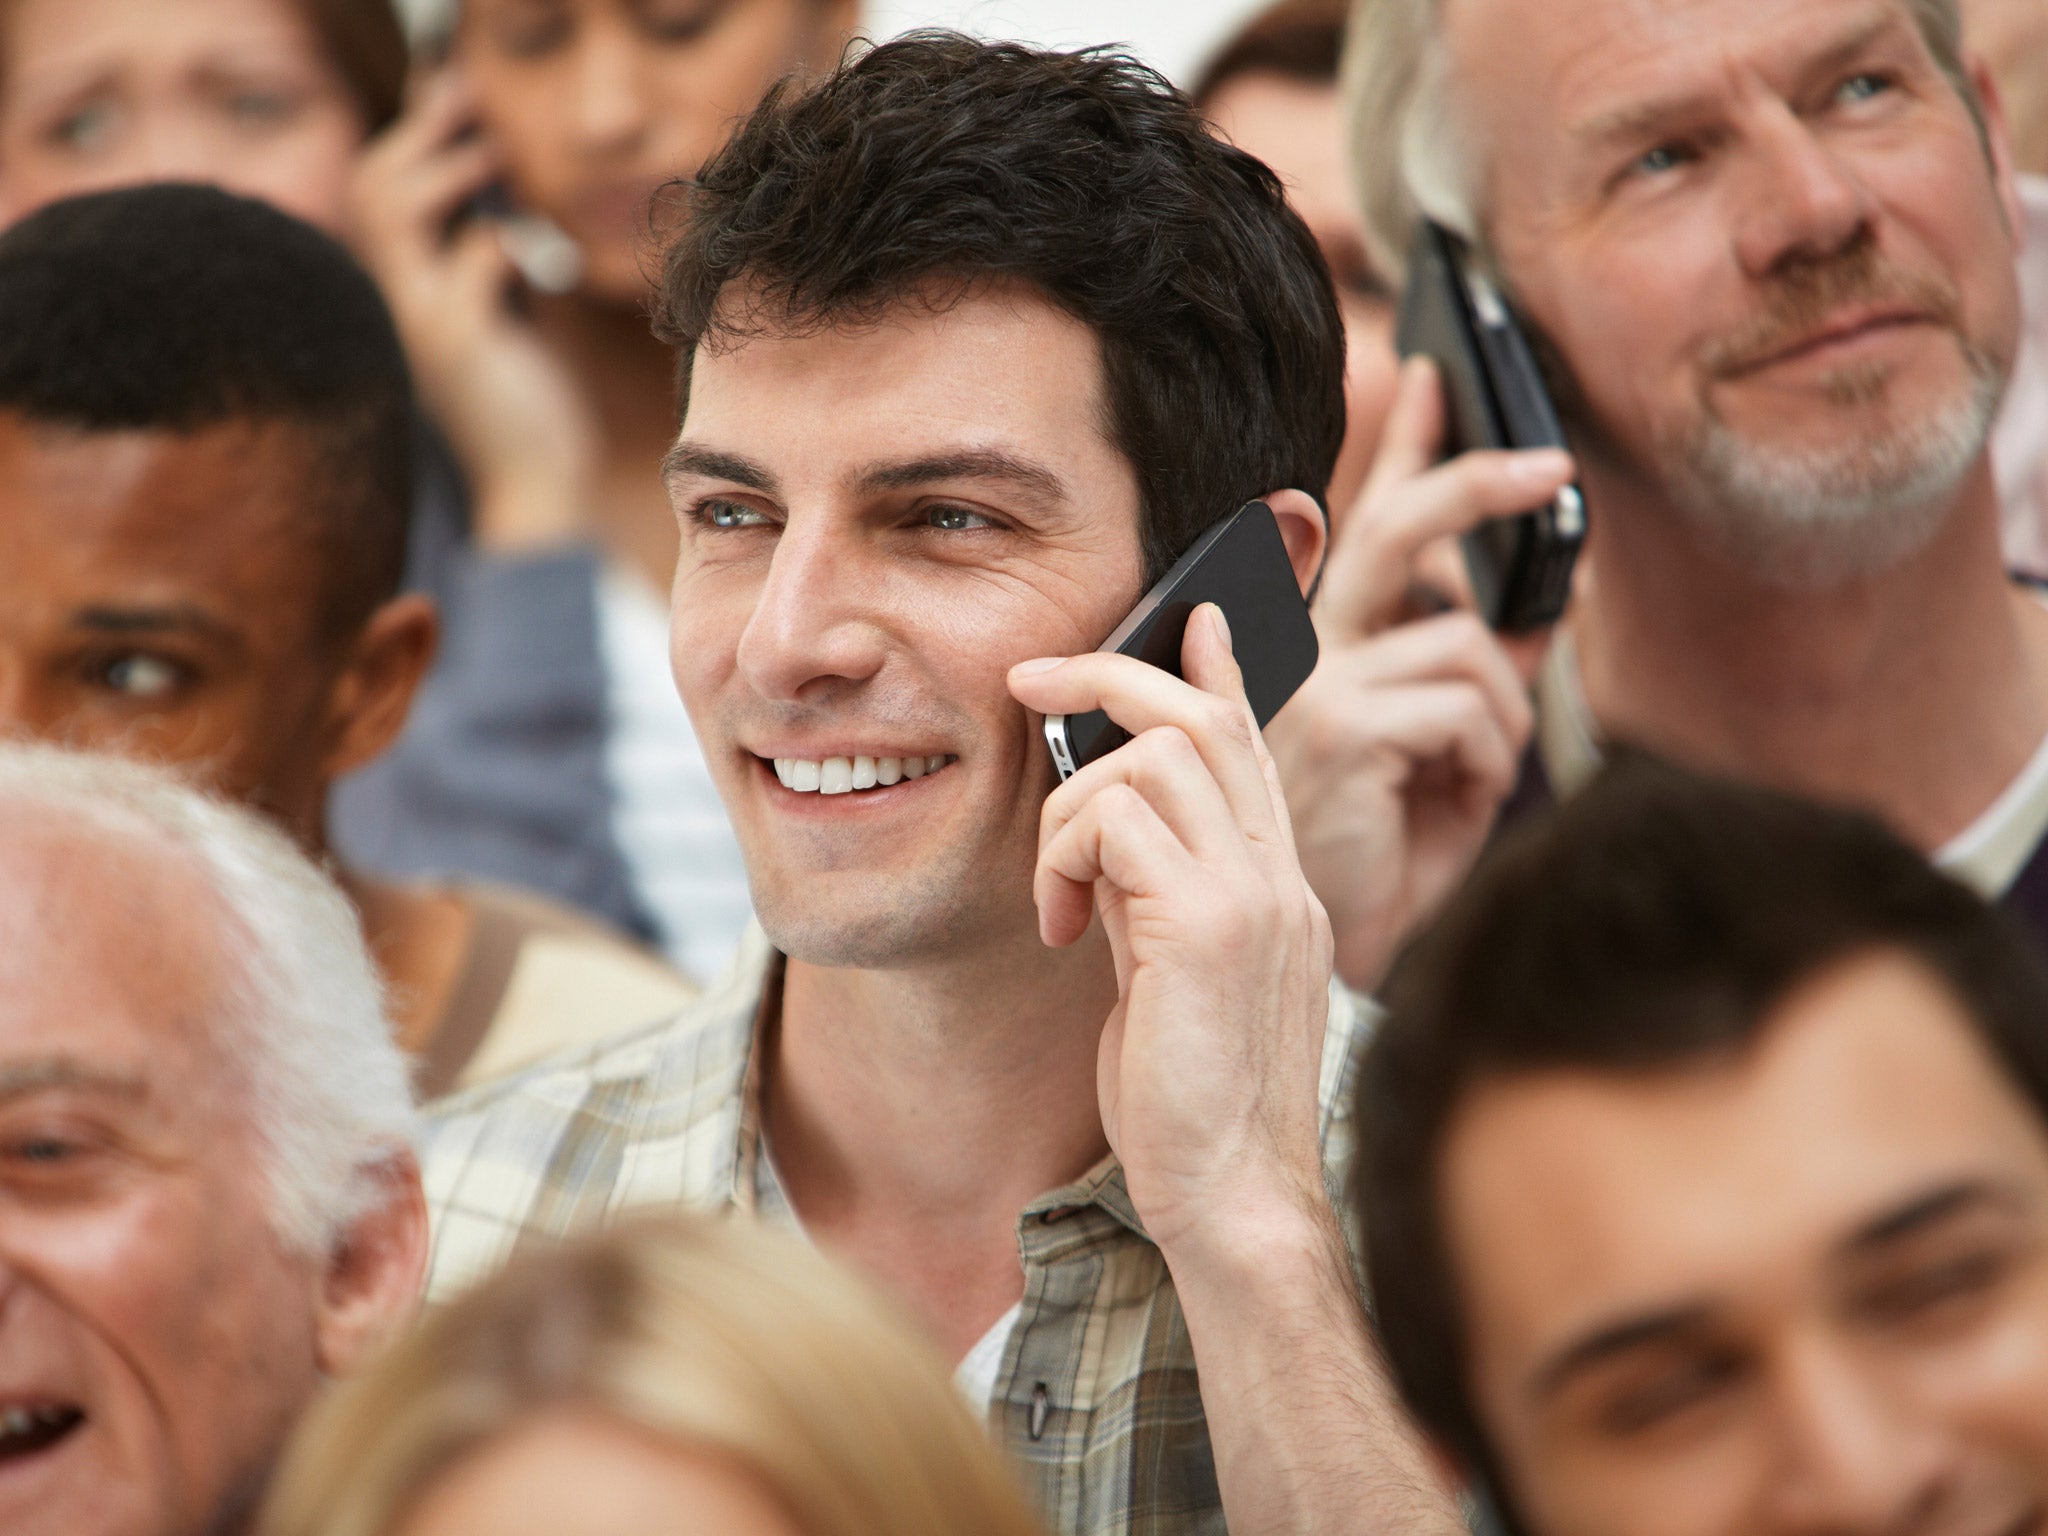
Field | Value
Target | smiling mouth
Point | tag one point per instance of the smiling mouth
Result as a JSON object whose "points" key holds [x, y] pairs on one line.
{"points": [[846, 775], [27, 1428], [1836, 335]]}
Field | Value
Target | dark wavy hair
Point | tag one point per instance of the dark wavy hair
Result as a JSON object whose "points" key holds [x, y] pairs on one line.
{"points": [[937, 161]]}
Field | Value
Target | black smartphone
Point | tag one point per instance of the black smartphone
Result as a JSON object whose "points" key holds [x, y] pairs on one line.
{"points": [[1240, 565], [1452, 313]]}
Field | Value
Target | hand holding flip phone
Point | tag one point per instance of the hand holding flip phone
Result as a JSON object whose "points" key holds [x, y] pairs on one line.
{"points": [[1240, 565], [1494, 398]]}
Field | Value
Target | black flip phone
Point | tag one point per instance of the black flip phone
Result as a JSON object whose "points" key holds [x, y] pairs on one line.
{"points": [[1240, 565], [1494, 397]]}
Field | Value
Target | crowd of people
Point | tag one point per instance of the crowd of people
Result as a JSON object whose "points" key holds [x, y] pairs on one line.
{"points": [[549, 981]]}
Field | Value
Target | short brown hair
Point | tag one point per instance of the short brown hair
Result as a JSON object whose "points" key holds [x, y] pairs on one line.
{"points": [[1653, 923]]}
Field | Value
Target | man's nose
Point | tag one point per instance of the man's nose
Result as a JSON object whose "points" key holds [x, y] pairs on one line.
{"points": [[813, 622], [1801, 201], [611, 96], [1854, 1458]]}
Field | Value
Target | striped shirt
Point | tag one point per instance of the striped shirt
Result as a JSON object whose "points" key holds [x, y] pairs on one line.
{"points": [[1095, 1397]]}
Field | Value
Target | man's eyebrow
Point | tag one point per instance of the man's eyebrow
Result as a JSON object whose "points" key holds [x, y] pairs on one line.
{"points": [[1612, 1339], [1918, 1214], [967, 464], [20, 1079], [170, 618], [1639, 118], [695, 459]]}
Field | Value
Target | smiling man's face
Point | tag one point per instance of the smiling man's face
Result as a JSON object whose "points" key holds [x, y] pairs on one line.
{"points": [[877, 524], [1803, 1289], [1768, 243]]}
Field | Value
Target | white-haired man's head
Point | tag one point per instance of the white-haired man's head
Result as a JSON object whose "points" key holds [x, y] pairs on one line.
{"points": [[302, 1016], [209, 1198], [1493, 119]]}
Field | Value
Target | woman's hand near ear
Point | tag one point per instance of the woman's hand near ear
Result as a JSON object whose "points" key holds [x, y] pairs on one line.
{"points": [[510, 409]]}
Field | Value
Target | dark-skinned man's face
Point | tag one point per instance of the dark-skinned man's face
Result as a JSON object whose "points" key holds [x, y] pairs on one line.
{"points": [[160, 596]]}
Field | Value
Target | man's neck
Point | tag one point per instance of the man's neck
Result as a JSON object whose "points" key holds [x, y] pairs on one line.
{"points": [[1919, 693], [914, 1113]]}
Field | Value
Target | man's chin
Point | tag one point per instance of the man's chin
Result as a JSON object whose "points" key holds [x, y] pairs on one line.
{"points": [[869, 929]]}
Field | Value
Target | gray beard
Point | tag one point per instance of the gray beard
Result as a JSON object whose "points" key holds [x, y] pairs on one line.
{"points": [[1812, 519]]}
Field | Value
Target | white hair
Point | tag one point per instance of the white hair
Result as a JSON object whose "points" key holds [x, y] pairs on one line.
{"points": [[1412, 150], [304, 1021]]}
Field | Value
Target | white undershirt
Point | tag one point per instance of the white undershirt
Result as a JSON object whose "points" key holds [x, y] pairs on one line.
{"points": [[975, 1376], [667, 818]]}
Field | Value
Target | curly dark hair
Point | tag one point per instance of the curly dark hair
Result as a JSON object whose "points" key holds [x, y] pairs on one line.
{"points": [[937, 161]]}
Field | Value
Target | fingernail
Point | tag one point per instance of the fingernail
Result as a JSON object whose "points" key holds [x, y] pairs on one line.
{"points": [[1543, 464], [1216, 617], [1033, 668]]}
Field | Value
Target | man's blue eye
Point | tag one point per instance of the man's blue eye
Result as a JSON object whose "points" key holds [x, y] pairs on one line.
{"points": [[1863, 87], [1659, 160], [956, 519], [731, 514]]}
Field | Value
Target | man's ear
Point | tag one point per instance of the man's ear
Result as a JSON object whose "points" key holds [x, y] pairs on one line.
{"points": [[373, 1279], [374, 689], [1305, 531], [1999, 141]]}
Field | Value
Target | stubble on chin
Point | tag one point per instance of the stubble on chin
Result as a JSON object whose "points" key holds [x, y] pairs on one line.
{"points": [[891, 920]]}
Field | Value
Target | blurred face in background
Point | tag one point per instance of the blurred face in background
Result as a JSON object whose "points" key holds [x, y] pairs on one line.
{"points": [[1796, 1290], [121, 632], [1296, 127], [596, 103], [97, 94]]}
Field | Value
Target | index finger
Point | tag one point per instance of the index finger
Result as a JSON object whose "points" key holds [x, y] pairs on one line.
{"points": [[1139, 697]]}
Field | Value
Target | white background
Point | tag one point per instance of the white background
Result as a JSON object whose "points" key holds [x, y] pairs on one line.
{"points": [[1174, 36]]}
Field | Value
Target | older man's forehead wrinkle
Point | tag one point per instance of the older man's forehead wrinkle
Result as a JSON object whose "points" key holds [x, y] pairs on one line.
{"points": [[1635, 118]]}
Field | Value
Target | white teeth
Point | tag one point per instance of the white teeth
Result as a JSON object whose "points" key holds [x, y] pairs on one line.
{"points": [[843, 775]]}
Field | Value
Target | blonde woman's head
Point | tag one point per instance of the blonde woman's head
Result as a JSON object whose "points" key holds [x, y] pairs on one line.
{"points": [[692, 1374]]}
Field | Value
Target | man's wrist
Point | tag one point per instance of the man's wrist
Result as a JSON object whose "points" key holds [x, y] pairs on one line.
{"points": [[1280, 1236]]}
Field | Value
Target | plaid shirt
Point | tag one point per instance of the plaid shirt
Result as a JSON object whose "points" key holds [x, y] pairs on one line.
{"points": [[1096, 1398]]}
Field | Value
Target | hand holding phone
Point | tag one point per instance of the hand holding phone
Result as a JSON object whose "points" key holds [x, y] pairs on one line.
{"points": [[1452, 313], [1241, 565]]}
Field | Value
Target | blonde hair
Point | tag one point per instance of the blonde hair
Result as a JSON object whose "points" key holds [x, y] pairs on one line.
{"points": [[712, 1333], [1411, 149]]}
